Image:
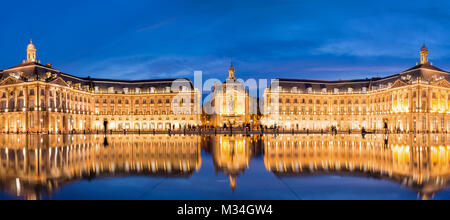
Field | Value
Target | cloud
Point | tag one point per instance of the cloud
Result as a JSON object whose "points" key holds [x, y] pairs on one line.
{"points": [[142, 67], [159, 25], [357, 48], [379, 68], [161, 39]]}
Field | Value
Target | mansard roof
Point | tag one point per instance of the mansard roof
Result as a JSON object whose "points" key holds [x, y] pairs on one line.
{"points": [[425, 66], [36, 71], [424, 72]]}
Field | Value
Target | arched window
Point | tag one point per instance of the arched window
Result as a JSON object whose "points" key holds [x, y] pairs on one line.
{"points": [[20, 104], [11, 104]]}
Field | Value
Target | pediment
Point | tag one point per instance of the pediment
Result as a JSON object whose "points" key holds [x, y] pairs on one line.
{"points": [[441, 83], [399, 83], [10, 81], [59, 81]]}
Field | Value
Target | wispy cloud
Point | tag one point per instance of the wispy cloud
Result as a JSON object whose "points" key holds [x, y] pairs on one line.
{"points": [[158, 25], [149, 67], [161, 39]]}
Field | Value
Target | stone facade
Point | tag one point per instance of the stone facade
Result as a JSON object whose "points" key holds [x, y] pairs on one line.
{"points": [[230, 102], [39, 98], [416, 100]]}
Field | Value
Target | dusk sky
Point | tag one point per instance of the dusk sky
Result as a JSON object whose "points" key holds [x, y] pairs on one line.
{"points": [[264, 39]]}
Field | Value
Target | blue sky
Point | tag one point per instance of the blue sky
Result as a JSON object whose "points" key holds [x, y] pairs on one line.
{"points": [[264, 39]]}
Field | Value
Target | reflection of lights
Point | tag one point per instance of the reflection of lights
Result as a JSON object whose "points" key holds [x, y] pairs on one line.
{"points": [[18, 187]]}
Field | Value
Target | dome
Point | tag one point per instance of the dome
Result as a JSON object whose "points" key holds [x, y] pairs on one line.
{"points": [[31, 46], [231, 71], [424, 48], [231, 68]]}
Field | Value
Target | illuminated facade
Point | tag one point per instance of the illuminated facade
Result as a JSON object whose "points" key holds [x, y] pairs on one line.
{"points": [[230, 102], [416, 100], [35, 165], [38, 98]]}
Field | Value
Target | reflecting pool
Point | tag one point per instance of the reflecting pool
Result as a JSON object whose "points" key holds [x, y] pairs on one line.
{"points": [[240, 167]]}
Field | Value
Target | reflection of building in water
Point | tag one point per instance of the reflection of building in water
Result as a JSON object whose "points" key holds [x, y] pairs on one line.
{"points": [[31, 165], [421, 162], [232, 154]]}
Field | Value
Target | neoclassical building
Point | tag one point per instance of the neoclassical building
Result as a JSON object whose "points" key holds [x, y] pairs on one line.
{"points": [[230, 102], [415, 100], [39, 98], [32, 166]]}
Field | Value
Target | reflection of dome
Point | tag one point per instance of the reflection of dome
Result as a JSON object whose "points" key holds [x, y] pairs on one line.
{"points": [[232, 182]]}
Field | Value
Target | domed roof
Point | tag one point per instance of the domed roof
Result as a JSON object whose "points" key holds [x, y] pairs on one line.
{"points": [[31, 45], [424, 48], [231, 68]]}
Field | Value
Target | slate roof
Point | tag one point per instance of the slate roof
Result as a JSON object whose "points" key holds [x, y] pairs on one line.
{"points": [[35, 71], [426, 72]]}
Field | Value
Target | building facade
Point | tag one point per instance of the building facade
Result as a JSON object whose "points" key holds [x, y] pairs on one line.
{"points": [[38, 98], [416, 100], [230, 102]]}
